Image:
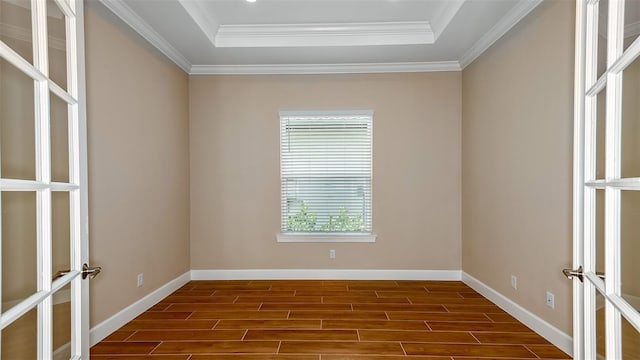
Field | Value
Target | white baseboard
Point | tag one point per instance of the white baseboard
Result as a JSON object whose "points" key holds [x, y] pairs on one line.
{"points": [[555, 336], [127, 314], [324, 274]]}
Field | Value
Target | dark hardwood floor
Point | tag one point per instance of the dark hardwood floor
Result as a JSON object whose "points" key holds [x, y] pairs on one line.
{"points": [[324, 320]]}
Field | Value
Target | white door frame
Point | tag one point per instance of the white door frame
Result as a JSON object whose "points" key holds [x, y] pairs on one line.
{"points": [[43, 186], [587, 87]]}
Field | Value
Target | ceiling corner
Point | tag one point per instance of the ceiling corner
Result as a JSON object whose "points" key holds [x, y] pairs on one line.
{"points": [[207, 24], [509, 20], [443, 19]]}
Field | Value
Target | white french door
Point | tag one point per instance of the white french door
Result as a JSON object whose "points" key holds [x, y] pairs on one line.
{"points": [[43, 181], [607, 180]]}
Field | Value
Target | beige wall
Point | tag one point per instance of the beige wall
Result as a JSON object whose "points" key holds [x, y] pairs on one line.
{"points": [[235, 181], [517, 162], [138, 138]]}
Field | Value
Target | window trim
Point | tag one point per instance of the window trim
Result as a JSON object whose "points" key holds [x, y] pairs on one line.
{"points": [[328, 237]]}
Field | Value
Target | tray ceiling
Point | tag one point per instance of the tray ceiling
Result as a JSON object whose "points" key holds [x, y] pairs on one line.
{"points": [[321, 36]]}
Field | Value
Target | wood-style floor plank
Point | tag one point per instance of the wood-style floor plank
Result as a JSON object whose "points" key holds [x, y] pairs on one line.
{"points": [[324, 320], [418, 336], [509, 338], [249, 315], [437, 316], [334, 335], [548, 351], [331, 315], [374, 324], [255, 357], [478, 326], [399, 307], [373, 357], [208, 347], [140, 357], [212, 307], [176, 335], [517, 351], [269, 324], [119, 335], [123, 348], [338, 347], [169, 324], [315, 307]]}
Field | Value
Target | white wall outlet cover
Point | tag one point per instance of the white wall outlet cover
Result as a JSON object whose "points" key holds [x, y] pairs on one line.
{"points": [[550, 300]]}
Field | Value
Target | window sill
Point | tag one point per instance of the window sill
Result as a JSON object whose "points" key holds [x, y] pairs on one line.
{"points": [[326, 238]]}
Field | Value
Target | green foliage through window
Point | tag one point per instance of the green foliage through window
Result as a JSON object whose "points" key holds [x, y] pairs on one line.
{"points": [[305, 221], [302, 221]]}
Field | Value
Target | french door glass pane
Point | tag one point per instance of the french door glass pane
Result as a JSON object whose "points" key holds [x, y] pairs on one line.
{"points": [[630, 341], [631, 121], [19, 252], [15, 17], [17, 129], [59, 140], [631, 22], [600, 133], [62, 323], [600, 326], [20, 338], [630, 246], [57, 44], [599, 234], [603, 12], [61, 233]]}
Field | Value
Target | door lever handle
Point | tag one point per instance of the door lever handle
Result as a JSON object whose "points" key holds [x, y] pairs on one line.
{"points": [[91, 272], [579, 273], [570, 274]]}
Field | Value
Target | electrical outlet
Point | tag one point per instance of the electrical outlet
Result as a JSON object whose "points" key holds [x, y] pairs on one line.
{"points": [[332, 254], [140, 279], [514, 281], [550, 300]]}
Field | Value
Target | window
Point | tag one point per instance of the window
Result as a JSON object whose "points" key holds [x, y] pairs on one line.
{"points": [[325, 169]]}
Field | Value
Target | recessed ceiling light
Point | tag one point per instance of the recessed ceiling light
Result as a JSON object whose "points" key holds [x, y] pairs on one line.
{"points": [[252, 1]]}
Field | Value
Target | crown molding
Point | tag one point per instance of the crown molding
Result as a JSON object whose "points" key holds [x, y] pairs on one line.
{"points": [[126, 14], [207, 24], [517, 13], [313, 69], [440, 22], [329, 34]]}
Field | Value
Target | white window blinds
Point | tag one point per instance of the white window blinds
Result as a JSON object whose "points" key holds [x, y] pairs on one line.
{"points": [[326, 172]]}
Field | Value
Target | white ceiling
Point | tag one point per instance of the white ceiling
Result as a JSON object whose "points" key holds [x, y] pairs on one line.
{"points": [[321, 36]]}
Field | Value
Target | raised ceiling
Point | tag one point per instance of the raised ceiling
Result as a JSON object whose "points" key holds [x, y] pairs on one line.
{"points": [[321, 36]]}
